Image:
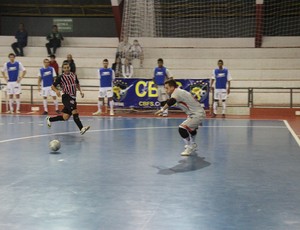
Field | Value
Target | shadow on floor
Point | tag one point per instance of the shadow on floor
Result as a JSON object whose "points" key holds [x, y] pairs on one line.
{"points": [[191, 163]]}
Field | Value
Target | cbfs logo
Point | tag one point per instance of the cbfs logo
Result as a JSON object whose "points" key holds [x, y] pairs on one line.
{"points": [[120, 90], [200, 89]]}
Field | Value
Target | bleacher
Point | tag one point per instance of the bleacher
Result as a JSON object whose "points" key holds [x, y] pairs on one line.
{"points": [[273, 65]]}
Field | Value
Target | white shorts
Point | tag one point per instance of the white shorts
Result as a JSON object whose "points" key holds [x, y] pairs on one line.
{"points": [[106, 92], [13, 88], [220, 94], [47, 91], [162, 95], [192, 123]]}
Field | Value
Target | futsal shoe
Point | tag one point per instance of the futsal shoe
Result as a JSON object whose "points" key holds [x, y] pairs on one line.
{"points": [[97, 113], [9, 111], [45, 113], [84, 129], [18, 111], [48, 122], [223, 116], [57, 111], [111, 113], [213, 115], [188, 151]]}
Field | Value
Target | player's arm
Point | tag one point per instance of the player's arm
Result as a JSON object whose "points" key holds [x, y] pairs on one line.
{"points": [[169, 75], [55, 84], [212, 86], [39, 83], [4, 69], [153, 79], [23, 70], [78, 87], [170, 102], [228, 82]]}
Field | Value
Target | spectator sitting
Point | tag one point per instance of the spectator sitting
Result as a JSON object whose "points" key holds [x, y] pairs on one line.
{"points": [[54, 39], [21, 36], [54, 64], [136, 51], [71, 63], [123, 49], [127, 69], [116, 66]]}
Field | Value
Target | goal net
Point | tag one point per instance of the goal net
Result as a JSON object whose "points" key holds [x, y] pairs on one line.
{"points": [[189, 18], [209, 19], [281, 18]]}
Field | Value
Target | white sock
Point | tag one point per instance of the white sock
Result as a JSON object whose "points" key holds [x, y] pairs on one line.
{"points": [[223, 107], [193, 139], [111, 104], [18, 104], [11, 107], [55, 104], [215, 106], [187, 141], [100, 103], [45, 105]]}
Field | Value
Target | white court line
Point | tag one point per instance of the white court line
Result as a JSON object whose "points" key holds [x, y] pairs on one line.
{"points": [[292, 131], [124, 129]]}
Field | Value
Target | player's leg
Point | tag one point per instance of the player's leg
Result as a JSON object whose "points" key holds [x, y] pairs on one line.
{"points": [[224, 97], [45, 104], [55, 101], [109, 94], [10, 93], [99, 105], [188, 131], [17, 92], [162, 98], [67, 111], [216, 101], [78, 122]]}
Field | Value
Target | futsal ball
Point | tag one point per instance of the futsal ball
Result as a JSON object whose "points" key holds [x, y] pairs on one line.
{"points": [[54, 145]]}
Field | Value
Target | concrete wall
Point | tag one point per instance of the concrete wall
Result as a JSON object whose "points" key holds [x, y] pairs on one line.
{"points": [[41, 26]]}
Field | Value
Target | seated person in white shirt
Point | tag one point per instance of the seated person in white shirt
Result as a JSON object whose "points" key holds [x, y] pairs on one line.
{"points": [[127, 69]]}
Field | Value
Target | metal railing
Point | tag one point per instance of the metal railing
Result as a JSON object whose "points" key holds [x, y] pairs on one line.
{"points": [[251, 92]]}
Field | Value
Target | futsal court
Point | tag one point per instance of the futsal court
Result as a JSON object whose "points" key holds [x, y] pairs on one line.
{"points": [[127, 174]]}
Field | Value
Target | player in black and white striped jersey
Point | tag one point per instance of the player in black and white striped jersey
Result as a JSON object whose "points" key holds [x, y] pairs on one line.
{"points": [[69, 84]]}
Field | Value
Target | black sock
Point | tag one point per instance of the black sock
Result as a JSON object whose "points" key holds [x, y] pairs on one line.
{"points": [[57, 118], [77, 121]]}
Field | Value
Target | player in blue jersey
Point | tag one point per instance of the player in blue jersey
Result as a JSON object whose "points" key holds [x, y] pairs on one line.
{"points": [[161, 74], [13, 79], [47, 74], [220, 84], [106, 76]]}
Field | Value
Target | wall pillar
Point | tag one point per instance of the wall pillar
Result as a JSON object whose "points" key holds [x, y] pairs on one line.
{"points": [[259, 23]]}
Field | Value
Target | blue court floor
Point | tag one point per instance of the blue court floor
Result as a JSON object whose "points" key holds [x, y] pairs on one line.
{"points": [[127, 174]]}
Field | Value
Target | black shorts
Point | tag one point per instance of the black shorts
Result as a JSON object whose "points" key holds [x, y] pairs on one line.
{"points": [[69, 103]]}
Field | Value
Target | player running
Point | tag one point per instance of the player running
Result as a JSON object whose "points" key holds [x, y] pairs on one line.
{"points": [[69, 84], [188, 104]]}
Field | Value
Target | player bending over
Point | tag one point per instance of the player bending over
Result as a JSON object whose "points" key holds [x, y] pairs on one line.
{"points": [[69, 84], [188, 104]]}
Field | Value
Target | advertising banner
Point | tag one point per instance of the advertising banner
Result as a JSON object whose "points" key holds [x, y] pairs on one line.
{"points": [[141, 93]]}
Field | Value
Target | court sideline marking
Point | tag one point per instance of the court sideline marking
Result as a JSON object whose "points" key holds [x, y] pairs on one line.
{"points": [[292, 132], [135, 128]]}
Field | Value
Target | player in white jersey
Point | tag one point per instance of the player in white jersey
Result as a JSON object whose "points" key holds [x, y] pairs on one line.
{"points": [[188, 104]]}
